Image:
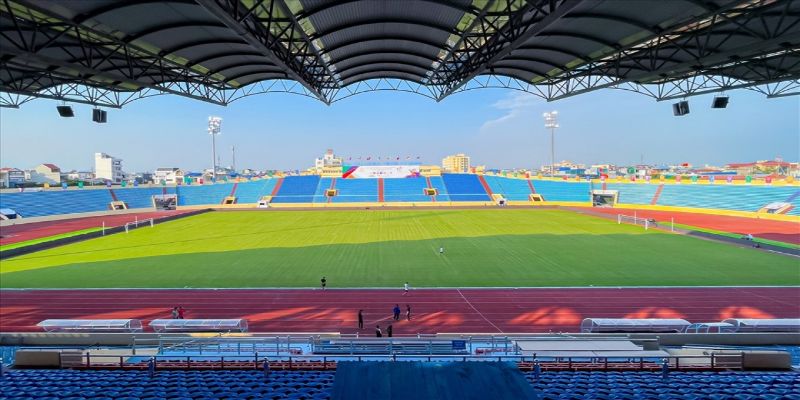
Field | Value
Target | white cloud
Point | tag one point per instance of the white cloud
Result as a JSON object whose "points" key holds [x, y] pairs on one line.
{"points": [[516, 105]]}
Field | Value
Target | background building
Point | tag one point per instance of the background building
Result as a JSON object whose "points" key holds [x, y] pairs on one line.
{"points": [[329, 165], [45, 173], [11, 177], [108, 167], [170, 176], [456, 163]]}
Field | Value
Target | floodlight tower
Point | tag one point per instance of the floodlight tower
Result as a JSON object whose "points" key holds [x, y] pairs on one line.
{"points": [[214, 127], [551, 121]]}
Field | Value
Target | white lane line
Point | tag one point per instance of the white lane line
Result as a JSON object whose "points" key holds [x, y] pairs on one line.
{"points": [[479, 313]]}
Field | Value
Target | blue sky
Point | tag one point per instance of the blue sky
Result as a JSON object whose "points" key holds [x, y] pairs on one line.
{"points": [[499, 128]]}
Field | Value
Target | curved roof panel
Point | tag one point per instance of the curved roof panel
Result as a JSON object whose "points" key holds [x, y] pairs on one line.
{"points": [[207, 49]]}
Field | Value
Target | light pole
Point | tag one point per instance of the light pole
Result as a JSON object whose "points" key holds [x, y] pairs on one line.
{"points": [[551, 121], [214, 126]]}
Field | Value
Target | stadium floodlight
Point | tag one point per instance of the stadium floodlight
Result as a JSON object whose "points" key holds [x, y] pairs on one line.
{"points": [[214, 128], [551, 122]]}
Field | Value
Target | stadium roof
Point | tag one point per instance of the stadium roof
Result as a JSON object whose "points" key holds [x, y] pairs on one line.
{"points": [[111, 52]]}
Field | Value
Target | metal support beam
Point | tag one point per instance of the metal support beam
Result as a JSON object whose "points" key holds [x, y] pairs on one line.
{"points": [[523, 24], [651, 60], [241, 20], [91, 57]]}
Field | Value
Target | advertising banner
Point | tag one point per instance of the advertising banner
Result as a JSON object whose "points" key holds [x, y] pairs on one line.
{"points": [[380, 171]]}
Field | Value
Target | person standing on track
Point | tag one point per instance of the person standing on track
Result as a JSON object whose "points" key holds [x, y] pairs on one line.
{"points": [[181, 311], [389, 331], [396, 312], [323, 282], [174, 312], [360, 319], [408, 312], [378, 332], [405, 289]]}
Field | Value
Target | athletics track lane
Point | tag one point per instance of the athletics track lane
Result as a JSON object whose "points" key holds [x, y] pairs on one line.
{"points": [[35, 230], [434, 310], [782, 231]]}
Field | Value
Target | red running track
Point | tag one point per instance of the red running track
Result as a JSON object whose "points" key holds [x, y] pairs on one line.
{"points": [[35, 230], [782, 231], [434, 310]]}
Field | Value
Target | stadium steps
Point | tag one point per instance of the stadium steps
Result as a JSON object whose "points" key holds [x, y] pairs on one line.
{"points": [[113, 195], [430, 186], [485, 186], [138, 197], [332, 187], [654, 201], [250, 192], [436, 182], [276, 189], [298, 189], [380, 190], [511, 189], [530, 185]]}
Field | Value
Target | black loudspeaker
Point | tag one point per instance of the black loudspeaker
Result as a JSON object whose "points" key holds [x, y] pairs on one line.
{"points": [[680, 108], [720, 102], [65, 111], [99, 116]]}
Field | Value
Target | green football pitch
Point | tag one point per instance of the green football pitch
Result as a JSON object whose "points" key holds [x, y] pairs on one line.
{"points": [[497, 247]]}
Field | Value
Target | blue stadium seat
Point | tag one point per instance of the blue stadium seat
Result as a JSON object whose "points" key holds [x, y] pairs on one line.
{"points": [[138, 197], [194, 195], [563, 190], [356, 190], [298, 189], [514, 189], [253, 191], [464, 187], [438, 183], [55, 202], [726, 197]]}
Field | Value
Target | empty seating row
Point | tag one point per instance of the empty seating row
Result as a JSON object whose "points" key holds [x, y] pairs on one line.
{"points": [[437, 182], [450, 187], [563, 191], [253, 191], [298, 189], [195, 195], [356, 190], [139, 197], [726, 197], [464, 187], [54, 202], [179, 385], [405, 189], [632, 193], [511, 188], [677, 385]]}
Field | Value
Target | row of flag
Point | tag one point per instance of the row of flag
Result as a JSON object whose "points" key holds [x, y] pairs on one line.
{"points": [[379, 158]]}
